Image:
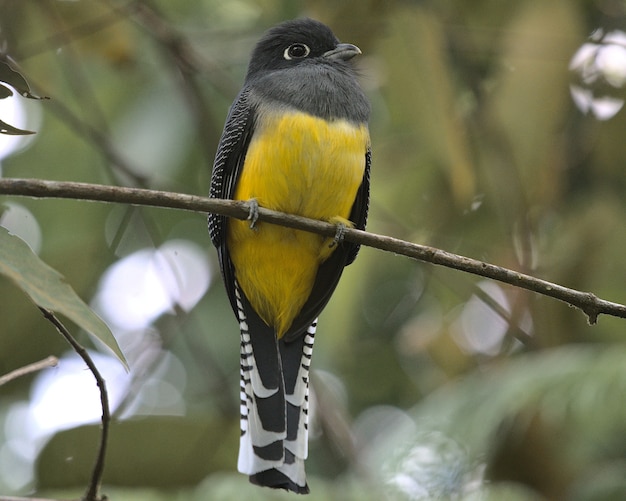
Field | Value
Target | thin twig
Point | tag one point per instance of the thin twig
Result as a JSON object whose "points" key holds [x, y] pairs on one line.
{"points": [[190, 60], [92, 493], [187, 63], [587, 302], [88, 132], [46, 363], [93, 136]]}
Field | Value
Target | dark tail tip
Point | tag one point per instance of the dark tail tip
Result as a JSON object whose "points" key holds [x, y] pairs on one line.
{"points": [[277, 480]]}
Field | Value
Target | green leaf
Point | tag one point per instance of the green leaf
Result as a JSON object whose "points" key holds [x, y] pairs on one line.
{"points": [[16, 80], [48, 289], [5, 128], [577, 391], [186, 451]]}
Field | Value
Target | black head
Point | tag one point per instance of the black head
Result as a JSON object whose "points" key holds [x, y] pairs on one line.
{"points": [[297, 42]]}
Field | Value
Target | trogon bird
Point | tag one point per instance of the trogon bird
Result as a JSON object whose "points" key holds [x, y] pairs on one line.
{"points": [[296, 140]]}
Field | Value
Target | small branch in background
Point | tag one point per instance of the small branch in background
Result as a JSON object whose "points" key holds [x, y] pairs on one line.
{"points": [[587, 302], [186, 63], [92, 135], [188, 59], [514, 327], [46, 363], [92, 493], [89, 133]]}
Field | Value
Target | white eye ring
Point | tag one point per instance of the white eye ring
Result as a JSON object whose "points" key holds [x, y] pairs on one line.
{"points": [[296, 51]]}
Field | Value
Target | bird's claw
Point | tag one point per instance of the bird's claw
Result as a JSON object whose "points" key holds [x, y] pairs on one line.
{"points": [[253, 212], [339, 234]]}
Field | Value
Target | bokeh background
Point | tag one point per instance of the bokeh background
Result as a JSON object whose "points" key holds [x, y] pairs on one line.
{"points": [[498, 132]]}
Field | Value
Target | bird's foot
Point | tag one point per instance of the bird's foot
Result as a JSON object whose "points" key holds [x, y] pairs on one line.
{"points": [[253, 212], [342, 225]]}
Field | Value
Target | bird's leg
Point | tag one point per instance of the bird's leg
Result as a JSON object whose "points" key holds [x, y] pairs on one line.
{"points": [[342, 225], [339, 235], [253, 212]]}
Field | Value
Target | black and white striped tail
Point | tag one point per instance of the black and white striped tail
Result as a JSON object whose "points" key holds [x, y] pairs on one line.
{"points": [[274, 403]]}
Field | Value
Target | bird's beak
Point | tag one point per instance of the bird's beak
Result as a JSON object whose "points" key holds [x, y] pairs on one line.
{"points": [[343, 52]]}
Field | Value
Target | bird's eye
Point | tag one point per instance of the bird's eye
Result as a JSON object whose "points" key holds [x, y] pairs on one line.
{"points": [[296, 51]]}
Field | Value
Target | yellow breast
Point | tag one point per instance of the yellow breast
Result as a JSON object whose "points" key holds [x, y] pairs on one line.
{"points": [[299, 164]]}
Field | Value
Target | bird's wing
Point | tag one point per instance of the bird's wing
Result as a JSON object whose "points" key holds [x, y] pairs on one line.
{"points": [[227, 166], [360, 208]]}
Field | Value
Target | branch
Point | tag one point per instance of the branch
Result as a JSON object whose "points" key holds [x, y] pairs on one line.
{"points": [[92, 493], [88, 132], [27, 369], [188, 59], [185, 64], [587, 302]]}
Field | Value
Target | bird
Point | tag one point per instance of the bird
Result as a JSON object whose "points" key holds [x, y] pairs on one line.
{"points": [[296, 140]]}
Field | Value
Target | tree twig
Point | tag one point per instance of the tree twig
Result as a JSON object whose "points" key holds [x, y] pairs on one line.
{"points": [[92, 493], [587, 302], [46, 363], [188, 59], [90, 133]]}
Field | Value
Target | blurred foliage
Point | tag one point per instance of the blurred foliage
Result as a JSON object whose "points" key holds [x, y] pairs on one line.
{"points": [[48, 290], [11, 77], [430, 383]]}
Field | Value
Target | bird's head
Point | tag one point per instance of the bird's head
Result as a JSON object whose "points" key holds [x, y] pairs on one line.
{"points": [[298, 42]]}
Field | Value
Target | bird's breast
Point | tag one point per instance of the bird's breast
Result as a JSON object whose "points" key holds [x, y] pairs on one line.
{"points": [[305, 165], [299, 164]]}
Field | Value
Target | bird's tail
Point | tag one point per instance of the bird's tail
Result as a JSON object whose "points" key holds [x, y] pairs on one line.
{"points": [[274, 404]]}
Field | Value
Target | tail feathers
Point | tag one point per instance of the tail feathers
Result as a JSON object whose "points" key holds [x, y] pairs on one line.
{"points": [[274, 404], [290, 477], [296, 379]]}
